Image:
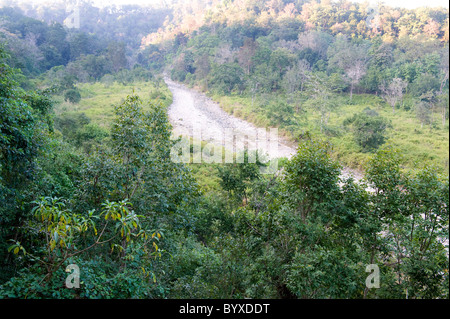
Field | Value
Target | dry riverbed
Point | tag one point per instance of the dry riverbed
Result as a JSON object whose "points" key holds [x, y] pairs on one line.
{"points": [[192, 113]]}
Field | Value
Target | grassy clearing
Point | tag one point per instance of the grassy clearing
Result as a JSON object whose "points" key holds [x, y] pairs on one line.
{"points": [[98, 100], [421, 146]]}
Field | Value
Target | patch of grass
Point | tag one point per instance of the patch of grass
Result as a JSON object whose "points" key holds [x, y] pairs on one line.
{"points": [[420, 146], [98, 100], [206, 176]]}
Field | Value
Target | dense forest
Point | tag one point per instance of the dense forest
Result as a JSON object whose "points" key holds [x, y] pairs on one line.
{"points": [[86, 176]]}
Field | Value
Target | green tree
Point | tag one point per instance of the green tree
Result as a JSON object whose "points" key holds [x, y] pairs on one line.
{"points": [[320, 96], [236, 178], [413, 210], [349, 57], [369, 129], [73, 96], [116, 55], [297, 238], [24, 129], [226, 77]]}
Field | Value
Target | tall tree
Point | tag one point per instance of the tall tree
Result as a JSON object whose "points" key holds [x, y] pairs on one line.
{"points": [[25, 127], [393, 92], [320, 96], [246, 53], [444, 74], [349, 57], [117, 55], [294, 81]]}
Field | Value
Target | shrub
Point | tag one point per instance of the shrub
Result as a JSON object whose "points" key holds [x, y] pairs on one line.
{"points": [[369, 129], [72, 96]]}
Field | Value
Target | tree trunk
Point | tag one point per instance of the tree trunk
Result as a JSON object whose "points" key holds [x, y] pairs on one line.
{"points": [[443, 114]]}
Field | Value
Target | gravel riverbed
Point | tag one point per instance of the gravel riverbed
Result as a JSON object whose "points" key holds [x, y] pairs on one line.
{"points": [[192, 113]]}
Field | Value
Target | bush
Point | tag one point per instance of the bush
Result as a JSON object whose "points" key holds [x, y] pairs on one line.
{"points": [[226, 77], [78, 130], [369, 129], [73, 96], [423, 84]]}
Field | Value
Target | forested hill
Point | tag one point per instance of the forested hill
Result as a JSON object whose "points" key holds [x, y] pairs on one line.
{"points": [[297, 65], [285, 19], [106, 41]]}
